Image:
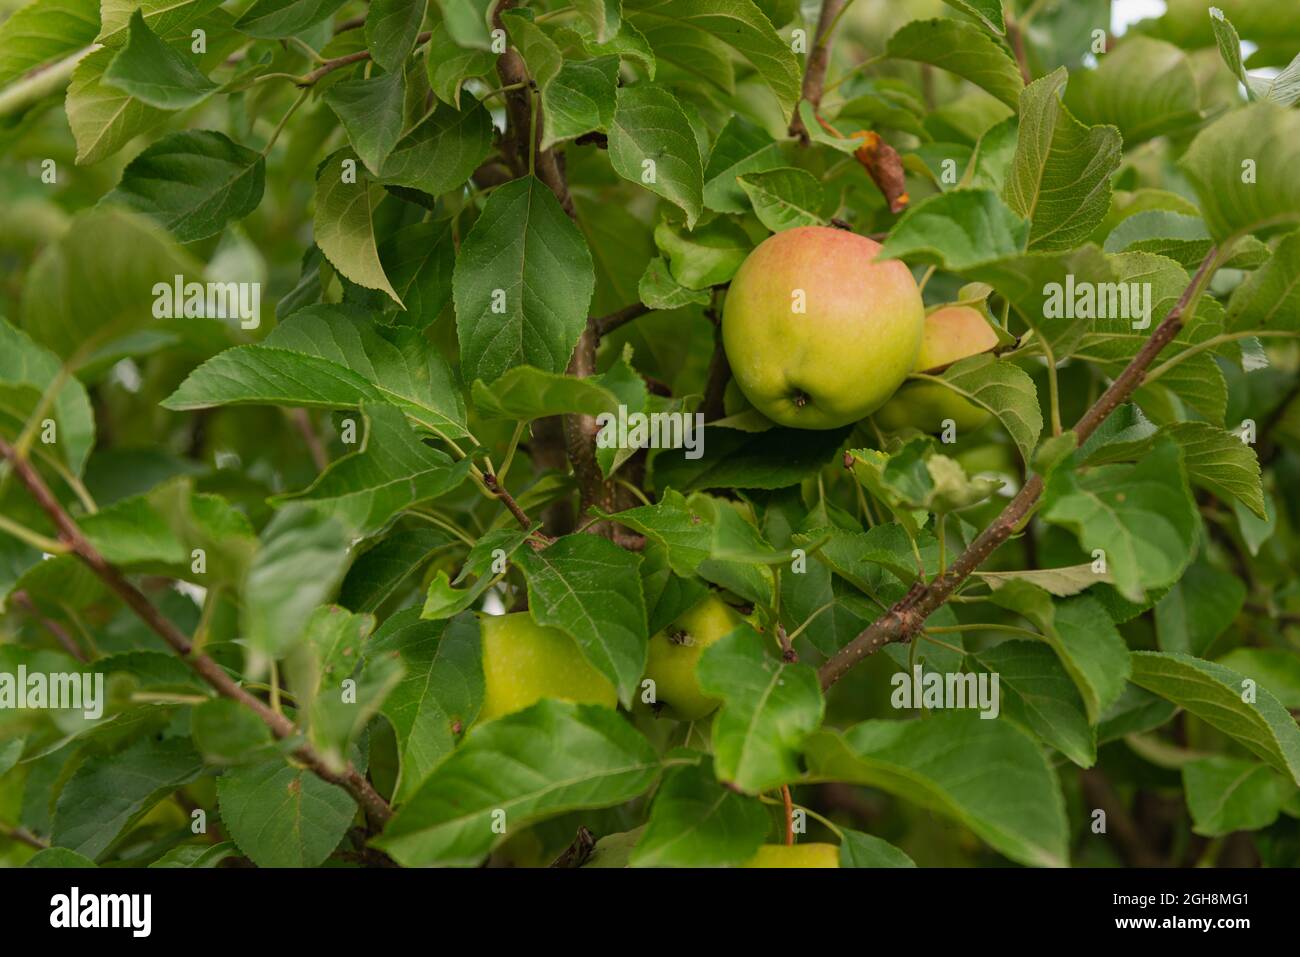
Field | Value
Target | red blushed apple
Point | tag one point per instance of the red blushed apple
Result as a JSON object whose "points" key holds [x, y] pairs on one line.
{"points": [[819, 335]]}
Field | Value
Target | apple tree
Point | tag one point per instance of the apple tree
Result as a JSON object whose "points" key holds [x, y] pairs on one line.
{"points": [[649, 433]]}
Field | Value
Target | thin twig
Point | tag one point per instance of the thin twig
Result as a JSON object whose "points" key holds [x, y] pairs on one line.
{"points": [[23, 836], [908, 614], [350, 779], [24, 601], [819, 58]]}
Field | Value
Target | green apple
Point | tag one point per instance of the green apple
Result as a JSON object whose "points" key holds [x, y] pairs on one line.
{"points": [[951, 333], [524, 662], [817, 334], [675, 652], [796, 855]]}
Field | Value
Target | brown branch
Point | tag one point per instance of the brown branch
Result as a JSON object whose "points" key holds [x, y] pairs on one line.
{"points": [[819, 58], [604, 325], [302, 422], [23, 836], [24, 601], [1017, 38], [329, 66], [908, 614], [206, 668], [788, 801]]}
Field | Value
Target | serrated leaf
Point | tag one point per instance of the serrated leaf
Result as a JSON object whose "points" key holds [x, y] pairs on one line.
{"points": [[1273, 668], [590, 589], [963, 49], [867, 850], [26, 371], [441, 152], [1061, 582], [344, 223], [1144, 87], [696, 822], [1060, 174], [282, 816], [378, 571], [1237, 166], [768, 708], [705, 257], [103, 118], [525, 393], [41, 33], [1225, 36], [958, 230], [444, 601], [651, 144], [1214, 694], [987, 12], [278, 598], [552, 757], [284, 18], [371, 110], [742, 147], [449, 64], [167, 18], [1193, 613], [784, 198], [155, 74], [732, 459], [391, 28], [1226, 795], [987, 775], [391, 471], [110, 793], [439, 695], [1004, 389], [659, 290], [193, 182], [1269, 298], [1038, 693], [527, 255]]}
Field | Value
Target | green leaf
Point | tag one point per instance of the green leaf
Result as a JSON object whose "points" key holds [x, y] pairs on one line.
{"points": [[1225, 35], [987, 12], [742, 147], [1060, 174], [525, 393], [773, 459], [330, 357], [522, 284], [103, 118], [1269, 298], [197, 855], [440, 693], [227, 732], [418, 260], [284, 18], [963, 49], [1214, 694], [344, 223], [784, 198], [1061, 582], [110, 793], [26, 372], [1142, 516], [590, 589], [605, 16], [371, 110], [449, 65], [59, 857], [545, 760], [696, 822], [651, 143], [1004, 389], [392, 471], [444, 601], [378, 571], [1226, 795], [96, 283], [170, 19], [957, 230], [154, 73], [1272, 668], [769, 707], [867, 850], [659, 290], [194, 183], [278, 598], [1037, 693], [1238, 164], [581, 98], [391, 28], [442, 151], [38, 34], [1083, 637], [282, 816], [1145, 87], [986, 775], [705, 257], [681, 30]]}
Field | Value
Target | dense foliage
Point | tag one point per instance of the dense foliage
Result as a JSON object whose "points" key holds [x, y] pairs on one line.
{"points": [[313, 309]]}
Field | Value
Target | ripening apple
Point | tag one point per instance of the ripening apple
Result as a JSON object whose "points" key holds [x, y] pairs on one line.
{"points": [[675, 652], [817, 334], [951, 333], [796, 855], [524, 662]]}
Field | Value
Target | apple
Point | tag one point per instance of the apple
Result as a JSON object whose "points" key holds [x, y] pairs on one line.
{"points": [[817, 334], [524, 662], [951, 333], [675, 651], [796, 855]]}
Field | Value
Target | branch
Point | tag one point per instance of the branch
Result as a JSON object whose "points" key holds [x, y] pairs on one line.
{"points": [[329, 66], [604, 325], [23, 601], [819, 58], [23, 836], [908, 614], [350, 779], [40, 83]]}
